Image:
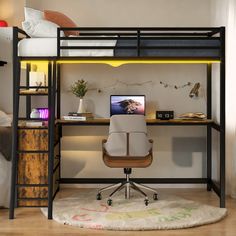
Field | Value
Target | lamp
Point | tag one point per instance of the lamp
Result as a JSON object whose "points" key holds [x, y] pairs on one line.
{"points": [[194, 91], [3, 23]]}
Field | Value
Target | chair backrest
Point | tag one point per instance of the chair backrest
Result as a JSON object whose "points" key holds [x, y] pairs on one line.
{"points": [[127, 136], [127, 123]]}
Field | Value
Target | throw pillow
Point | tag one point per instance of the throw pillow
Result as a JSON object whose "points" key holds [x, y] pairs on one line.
{"points": [[33, 14], [40, 29], [61, 20]]}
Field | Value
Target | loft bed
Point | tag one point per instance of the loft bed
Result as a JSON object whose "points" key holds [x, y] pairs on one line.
{"points": [[117, 46], [126, 43]]}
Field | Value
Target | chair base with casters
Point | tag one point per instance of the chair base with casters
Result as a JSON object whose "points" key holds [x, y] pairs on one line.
{"points": [[127, 185]]}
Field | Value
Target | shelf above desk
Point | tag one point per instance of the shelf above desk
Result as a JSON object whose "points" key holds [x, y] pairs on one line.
{"points": [[150, 122]]}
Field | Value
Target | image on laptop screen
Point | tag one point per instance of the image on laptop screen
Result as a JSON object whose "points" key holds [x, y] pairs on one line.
{"points": [[127, 104]]}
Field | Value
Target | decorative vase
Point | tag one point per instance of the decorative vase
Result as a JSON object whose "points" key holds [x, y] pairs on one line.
{"points": [[81, 108], [35, 114]]}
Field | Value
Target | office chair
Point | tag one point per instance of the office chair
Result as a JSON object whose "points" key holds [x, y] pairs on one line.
{"points": [[127, 147]]}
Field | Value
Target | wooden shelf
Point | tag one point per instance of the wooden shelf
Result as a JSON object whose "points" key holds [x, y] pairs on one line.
{"points": [[33, 92], [106, 121]]}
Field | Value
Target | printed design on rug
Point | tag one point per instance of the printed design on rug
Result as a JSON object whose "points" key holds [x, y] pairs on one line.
{"points": [[169, 212]]}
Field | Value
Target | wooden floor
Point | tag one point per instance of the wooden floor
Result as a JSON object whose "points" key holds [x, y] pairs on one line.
{"points": [[31, 222]]}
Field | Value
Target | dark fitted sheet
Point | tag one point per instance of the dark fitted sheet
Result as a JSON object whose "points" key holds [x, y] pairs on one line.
{"points": [[5, 142], [192, 52]]}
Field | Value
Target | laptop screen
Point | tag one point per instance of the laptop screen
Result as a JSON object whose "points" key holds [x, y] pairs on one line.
{"points": [[127, 104]]}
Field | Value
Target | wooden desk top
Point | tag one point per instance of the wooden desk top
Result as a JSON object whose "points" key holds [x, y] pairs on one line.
{"points": [[106, 121]]}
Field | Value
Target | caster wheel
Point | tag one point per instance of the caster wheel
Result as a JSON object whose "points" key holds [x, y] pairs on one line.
{"points": [[155, 197], [146, 202], [99, 196], [109, 202]]}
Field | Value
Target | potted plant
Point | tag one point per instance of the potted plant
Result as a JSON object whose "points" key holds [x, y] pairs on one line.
{"points": [[79, 89]]}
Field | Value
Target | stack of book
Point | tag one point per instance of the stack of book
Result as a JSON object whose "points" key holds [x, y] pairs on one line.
{"points": [[78, 116]]}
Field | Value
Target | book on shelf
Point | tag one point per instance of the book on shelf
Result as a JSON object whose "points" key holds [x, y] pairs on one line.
{"points": [[84, 114], [78, 118], [34, 123]]}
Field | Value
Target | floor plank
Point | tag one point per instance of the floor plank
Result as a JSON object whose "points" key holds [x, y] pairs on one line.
{"points": [[31, 222]]}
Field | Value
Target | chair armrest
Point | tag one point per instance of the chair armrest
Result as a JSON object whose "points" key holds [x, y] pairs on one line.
{"points": [[151, 142], [103, 146]]}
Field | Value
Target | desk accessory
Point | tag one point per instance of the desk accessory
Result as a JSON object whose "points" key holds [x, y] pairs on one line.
{"points": [[164, 115], [79, 89], [39, 113], [37, 79], [35, 114], [78, 118], [127, 104], [193, 115], [195, 90], [85, 114]]}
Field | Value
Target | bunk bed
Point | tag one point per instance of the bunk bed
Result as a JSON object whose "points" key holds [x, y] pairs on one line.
{"points": [[113, 46]]}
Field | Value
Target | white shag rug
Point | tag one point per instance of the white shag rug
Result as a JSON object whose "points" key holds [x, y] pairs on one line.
{"points": [[169, 212]]}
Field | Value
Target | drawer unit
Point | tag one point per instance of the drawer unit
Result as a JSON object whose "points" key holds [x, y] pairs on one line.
{"points": [[33, 167]]}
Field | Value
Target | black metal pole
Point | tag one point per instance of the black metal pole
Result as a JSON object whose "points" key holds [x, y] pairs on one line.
{"points": [[209, 128], [59, 127], [51, 130], [28, 97], [16, 98], [222, 119], [58, 91]]}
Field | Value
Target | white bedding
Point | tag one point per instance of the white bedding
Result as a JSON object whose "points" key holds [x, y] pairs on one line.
{"points": [[5, 181], [47, 47]]}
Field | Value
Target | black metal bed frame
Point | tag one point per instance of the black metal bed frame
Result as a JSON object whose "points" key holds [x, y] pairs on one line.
{"points": [[54, 94]]}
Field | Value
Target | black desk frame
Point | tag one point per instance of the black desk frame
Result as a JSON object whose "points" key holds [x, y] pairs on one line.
{"points": [[54, 104]]}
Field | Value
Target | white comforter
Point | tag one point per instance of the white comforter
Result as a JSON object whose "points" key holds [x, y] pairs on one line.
{"points": [[5, 179]]}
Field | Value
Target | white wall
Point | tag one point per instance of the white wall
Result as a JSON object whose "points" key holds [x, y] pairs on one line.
{"points": [[178, 151], [12, 11], [131, 12], [223, 13]]}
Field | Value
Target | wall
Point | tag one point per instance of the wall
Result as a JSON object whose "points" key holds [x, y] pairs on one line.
{"points": [[131, 12], [176, 154], [12, 11], [224, 13]]}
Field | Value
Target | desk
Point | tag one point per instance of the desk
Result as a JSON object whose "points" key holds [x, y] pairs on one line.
{"points": [[154, 122], [150, 122]]}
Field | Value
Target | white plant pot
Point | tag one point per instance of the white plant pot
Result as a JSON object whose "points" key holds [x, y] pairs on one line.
{"points": [[81, 108]]}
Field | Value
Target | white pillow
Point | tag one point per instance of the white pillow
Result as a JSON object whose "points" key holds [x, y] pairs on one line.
{"points": [[5, 120], [33, 14], [40, 29]]}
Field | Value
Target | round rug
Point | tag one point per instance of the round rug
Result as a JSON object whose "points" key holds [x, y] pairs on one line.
{"points": [[169, 212]]}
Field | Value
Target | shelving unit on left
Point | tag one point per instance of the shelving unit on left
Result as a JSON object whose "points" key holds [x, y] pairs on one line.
{"points": [[35, 149]]}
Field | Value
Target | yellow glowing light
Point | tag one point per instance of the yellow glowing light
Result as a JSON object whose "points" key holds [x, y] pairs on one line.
{"points": [[41, 65], [117, 63]]}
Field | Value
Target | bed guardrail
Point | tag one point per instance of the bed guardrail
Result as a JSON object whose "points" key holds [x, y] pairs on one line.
{"points": [[136, 40]]}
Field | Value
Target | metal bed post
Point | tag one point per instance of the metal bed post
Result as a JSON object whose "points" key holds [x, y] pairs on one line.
{"points": [[28, 97], [51, 130], [209, 127], [59, 114], [222, 118], [16, 98]]}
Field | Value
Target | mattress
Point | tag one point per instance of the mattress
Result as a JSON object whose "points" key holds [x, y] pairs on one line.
{"points": [[192, 48], [47, 47], [188, 48]]}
